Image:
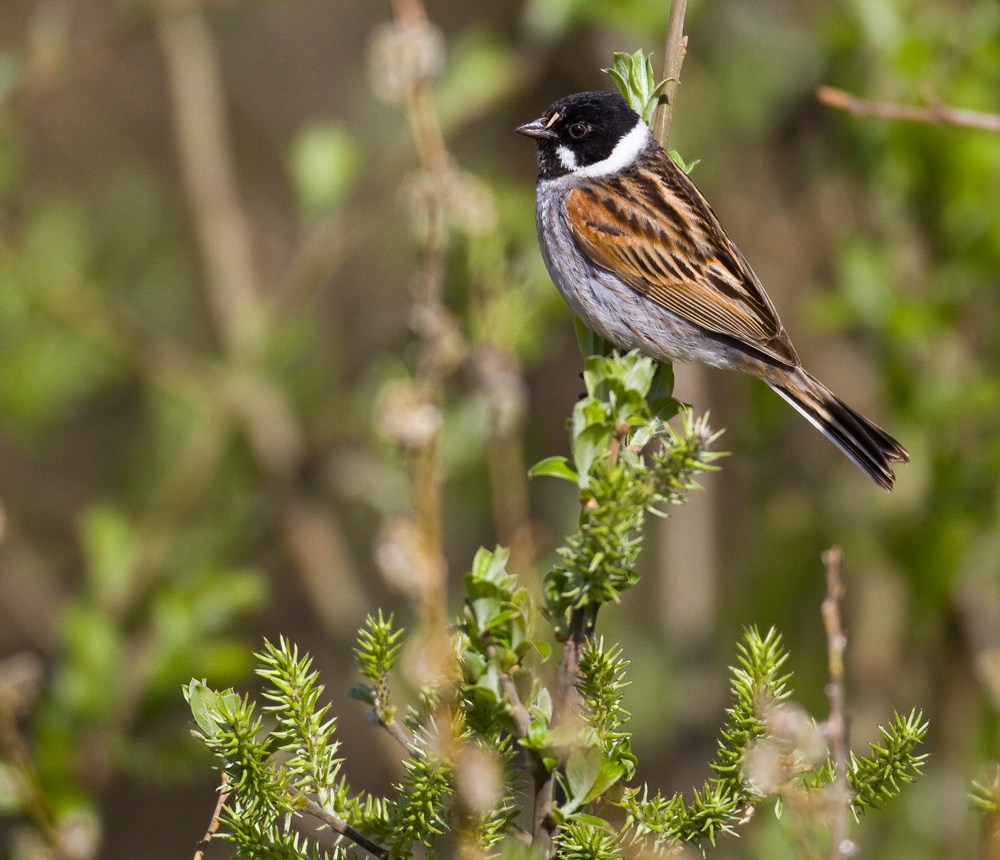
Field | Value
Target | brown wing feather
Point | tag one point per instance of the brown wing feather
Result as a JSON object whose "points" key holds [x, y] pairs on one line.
{"points": [[654, 230]]}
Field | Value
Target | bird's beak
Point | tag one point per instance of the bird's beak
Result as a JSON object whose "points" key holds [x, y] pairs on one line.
{"points": [[537, 128]]}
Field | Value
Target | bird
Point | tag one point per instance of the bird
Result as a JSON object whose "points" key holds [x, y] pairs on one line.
{"points": [[641, 258]]}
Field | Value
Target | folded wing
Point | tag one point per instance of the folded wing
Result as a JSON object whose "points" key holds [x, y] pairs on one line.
{"points": [[656, 232]]}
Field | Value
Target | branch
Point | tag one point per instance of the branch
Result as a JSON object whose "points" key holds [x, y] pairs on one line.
{"points": [[398, 733], [519, 714], [203, 147], [673, 58], [431, 321], [213, 825], [933, 113], [338, 825], [565, 708], [836, 723]]}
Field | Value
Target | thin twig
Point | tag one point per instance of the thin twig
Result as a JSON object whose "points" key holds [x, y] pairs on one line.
{"points": [[519, 714], [398, 733], [836, 724], [213, 825], [338, 825], [673, 58], [565, 709], [938, 114]]}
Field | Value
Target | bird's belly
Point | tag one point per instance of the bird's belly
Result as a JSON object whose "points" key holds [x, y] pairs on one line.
{"points": [[612, 308]]}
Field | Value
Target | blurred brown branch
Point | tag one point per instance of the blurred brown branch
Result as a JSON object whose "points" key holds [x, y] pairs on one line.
{"points": [[836, 723], [222, 226], [932, 113]]}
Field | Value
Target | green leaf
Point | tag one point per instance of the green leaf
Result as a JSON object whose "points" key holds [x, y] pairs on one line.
{"points": [[555, 467], [591, 820], [490, 566], [608, 775], [687, 168], [204, 702], [590, 342], [363, 693], [592, 443], [634, 77], [583, 767]]}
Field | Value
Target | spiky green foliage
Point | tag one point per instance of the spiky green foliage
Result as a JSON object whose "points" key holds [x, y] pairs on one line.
{"points": [[602, 685], [254, 837], [303, 730], [584, 840], [986, 798], [719, 805], [483, 735], [880, 776], [230, 726], [757, 686], [376, 653], [621, 414], [418, 813]]}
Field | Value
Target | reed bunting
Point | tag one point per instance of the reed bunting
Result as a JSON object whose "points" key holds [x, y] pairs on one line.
{"points": [[641, 258]]}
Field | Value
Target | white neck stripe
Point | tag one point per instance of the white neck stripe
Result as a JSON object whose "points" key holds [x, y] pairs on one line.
{"points": [[566, 157], [625, 153]]}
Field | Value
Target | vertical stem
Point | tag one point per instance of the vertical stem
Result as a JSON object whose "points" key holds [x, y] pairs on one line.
{"points": [[673, 59], [25, 782], [222, 227], [429, 318], [836, 643]]}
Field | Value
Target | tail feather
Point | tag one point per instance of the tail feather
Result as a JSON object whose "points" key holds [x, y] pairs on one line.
{"points": [[868, 445]]}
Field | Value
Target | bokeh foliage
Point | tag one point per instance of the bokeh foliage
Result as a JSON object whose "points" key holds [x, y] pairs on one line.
{"points": [[163, 493]]}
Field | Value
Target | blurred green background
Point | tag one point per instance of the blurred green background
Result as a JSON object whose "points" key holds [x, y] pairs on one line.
{"points": [[208, 220]]}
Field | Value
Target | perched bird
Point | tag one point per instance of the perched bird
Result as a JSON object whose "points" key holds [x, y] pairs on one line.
{"points": [[640, 257]]}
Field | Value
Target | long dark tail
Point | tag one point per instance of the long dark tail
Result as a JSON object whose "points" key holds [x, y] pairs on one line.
{"points": [[865, 443]]}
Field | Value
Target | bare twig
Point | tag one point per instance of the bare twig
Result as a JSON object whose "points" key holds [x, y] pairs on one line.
{"points": [[398, 733], [836, 724], [565, 709], [932, 113], [673, 58], [213, 825], [338, 825]]}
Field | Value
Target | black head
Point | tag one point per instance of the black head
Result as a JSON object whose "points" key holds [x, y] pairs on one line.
{"points": [[579, 131]]}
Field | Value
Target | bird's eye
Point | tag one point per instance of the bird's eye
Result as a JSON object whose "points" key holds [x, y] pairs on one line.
{"points": [[578, 130]]}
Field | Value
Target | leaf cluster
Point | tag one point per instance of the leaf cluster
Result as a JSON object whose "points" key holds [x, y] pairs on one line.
{"points": [[625, 409], [492, 727], [721, 802], [634, 77], [376, 654], [497, 633]]}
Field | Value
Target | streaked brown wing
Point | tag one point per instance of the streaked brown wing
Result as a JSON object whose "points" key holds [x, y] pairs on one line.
{"points": [[655, 231]]}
